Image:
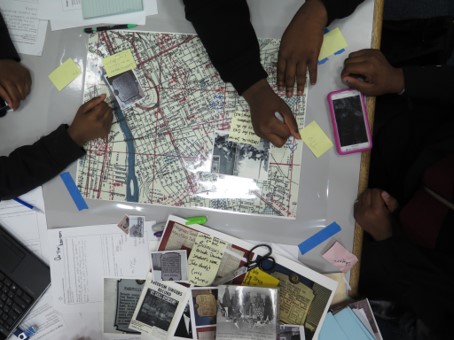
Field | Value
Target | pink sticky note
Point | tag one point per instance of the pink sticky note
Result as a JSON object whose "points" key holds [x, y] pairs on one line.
{"points": [[340, 257]]}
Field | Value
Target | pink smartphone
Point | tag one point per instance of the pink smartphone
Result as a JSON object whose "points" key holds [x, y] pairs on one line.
{"points": [[350, 121]]}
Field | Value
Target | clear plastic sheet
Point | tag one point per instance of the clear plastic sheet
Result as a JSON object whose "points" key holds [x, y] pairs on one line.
{"points": [[328, 185]]}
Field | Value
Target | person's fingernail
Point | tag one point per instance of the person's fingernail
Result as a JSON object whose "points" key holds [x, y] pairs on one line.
{"points": [[385, 195], [300, 93]]}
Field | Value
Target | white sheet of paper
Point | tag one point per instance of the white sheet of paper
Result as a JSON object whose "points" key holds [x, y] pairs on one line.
{"points": [[82, 256], [66, 14], [26, 30], [31, 228]]}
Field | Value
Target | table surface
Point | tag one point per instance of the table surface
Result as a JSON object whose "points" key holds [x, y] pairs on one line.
{"points": [[328, 185]]}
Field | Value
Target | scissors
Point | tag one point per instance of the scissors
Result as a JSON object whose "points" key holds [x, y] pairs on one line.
{"points": [[263, 262]]}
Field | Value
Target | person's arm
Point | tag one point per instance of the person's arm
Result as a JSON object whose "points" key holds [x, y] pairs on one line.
{"points": [[225, 30], [8, 50], [430, 82], [30, 166], [394, 268], [340, 9]]}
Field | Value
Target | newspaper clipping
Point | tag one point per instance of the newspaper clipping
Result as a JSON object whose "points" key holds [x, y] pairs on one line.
{"points": [[160, 307]]}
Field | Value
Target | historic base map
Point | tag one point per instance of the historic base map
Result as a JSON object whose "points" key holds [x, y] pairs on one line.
{"points": [[169, 139]]}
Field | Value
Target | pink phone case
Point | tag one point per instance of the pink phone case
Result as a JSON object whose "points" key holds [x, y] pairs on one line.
{"points": [[335, 128]]}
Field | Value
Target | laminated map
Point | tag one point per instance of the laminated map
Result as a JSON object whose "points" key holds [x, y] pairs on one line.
{"points": [[169, 144]]}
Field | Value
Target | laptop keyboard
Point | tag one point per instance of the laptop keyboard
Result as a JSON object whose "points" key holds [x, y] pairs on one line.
{"points": [[14, 302]]}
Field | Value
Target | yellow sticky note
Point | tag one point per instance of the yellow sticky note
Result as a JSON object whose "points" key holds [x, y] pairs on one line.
{"points": [[118, 63], [241, 130], [316, 139], [205, 259], [333, 41], [64, 74], [259, 278]]}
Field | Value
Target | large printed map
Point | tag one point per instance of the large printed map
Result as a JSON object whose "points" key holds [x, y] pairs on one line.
{"points": [[160, 149]]}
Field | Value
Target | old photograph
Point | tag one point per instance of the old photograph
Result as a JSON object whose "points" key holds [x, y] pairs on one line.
{"points": [[203, 303], [126, 88], [247, 313], [169, 265], [242, 160], [136, 226]]}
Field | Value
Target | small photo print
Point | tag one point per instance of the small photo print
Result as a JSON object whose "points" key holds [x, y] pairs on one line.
{"points": [[157, 310], [120, 300], [136, 226], [291, 332], [126, 88], [242, 160], [169, 265], [124, 224], [203, 311]]}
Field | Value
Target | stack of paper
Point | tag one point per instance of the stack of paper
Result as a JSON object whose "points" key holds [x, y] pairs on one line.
{"points": [[353, 322]]}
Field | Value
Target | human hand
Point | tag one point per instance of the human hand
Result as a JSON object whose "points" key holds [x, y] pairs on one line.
{"points": [[378, 76], [264, 102], [372, 211], [92, 120], [300, 47], [15, 82]]}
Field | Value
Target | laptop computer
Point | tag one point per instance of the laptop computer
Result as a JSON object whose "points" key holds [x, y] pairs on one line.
{"points": [[24, 277]]}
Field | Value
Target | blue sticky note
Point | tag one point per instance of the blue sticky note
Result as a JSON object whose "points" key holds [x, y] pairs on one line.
{"points": [[319, 237], [331, 330], [73, 191]]}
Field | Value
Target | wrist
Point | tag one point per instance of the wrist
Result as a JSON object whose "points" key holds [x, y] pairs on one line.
{"points": [[318, 11], [399, 81], [256, 91], [77, 138]]}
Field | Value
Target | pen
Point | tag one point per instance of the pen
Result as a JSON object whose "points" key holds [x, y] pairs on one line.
{"points": [[108, 28], [28, 205]]}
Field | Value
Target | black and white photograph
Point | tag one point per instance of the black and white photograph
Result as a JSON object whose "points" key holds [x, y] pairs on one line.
{"points": [[291, 332], [136, 226], [169, 265], [241, 160], [120, 300], [247, 313], [126, 88]]}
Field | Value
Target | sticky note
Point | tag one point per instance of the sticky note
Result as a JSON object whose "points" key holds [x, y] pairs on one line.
{"points": [[340, 257], [333, 41], [241, 130], [331, 330], [259, 278], [316, 139], [205, 259], [319, 237], [64, 74], [118, 63]]}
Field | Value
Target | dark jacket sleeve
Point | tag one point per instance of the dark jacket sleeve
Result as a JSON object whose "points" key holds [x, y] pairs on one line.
{"points": [[225, 30], [430, 82], [7, 50], [30, 166], [338, 9], [420, 280]]}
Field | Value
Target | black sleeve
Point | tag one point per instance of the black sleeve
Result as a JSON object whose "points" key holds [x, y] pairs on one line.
{"points": [[7, 50], [420, 280], [225, 30], [430, 82], [338, 9], [30, 166]]}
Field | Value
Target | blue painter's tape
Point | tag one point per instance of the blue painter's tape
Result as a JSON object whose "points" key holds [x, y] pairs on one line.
{"points": [[73, 191], [340, 51], [319, 237], [321, 62]]}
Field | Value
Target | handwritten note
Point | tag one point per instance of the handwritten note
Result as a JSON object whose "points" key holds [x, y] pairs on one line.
{"points": [[205, 259], [316, 139], [259, 278], [241, 130], [333, 41], [64, 74], [340, 257], [118, 63]]}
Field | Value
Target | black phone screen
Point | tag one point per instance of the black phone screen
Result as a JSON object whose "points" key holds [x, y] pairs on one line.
{"points": [[350, 120], [4, 108]]}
